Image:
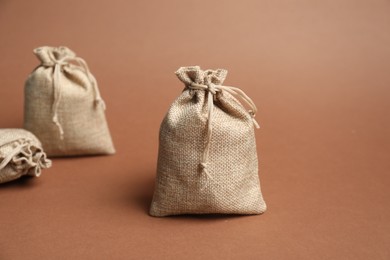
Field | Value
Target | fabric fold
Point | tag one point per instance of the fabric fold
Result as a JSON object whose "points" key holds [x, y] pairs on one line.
{"points": [[21, 154]]}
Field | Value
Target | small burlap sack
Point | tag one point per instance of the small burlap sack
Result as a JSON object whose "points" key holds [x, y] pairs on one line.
{"points": [[63, 107], [207, 160], [20, 154]]}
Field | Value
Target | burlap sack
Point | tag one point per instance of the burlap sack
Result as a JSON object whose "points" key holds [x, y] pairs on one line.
{"points": [[207, 160], [63, 107], [20, 154]]}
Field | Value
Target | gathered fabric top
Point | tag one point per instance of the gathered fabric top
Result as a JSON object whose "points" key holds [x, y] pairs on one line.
{"points": [[194, 74], [50, 56]]}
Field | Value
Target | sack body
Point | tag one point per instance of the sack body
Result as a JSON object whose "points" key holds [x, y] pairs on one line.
{"points": [[63, 107], [207, 159]]}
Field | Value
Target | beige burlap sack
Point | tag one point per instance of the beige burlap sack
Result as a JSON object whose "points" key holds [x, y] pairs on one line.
{"points": [[20, 154], [63, 107], [207, 160]]}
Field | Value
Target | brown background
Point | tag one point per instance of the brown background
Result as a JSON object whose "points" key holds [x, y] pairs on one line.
{"points": [[318, 70]]}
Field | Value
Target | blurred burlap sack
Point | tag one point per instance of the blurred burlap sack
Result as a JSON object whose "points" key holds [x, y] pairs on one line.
{"points": [[207, 160], [63, 107], [20, 154]]}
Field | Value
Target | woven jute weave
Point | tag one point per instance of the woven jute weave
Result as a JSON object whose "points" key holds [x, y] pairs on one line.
{"points": [[63, 107], [20, 154], [207, 160]]}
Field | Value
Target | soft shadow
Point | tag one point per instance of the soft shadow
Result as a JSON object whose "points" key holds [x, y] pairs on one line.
{"points": [[143, 194], [138, 192], [209, 217], [23, 182], [72, 157]]}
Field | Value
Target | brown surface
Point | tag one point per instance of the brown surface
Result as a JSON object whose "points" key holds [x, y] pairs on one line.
{"points": [[319, 72]]}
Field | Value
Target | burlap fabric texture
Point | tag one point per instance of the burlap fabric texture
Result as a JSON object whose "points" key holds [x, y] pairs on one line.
{"points": [[63, 107], [20, 154], [207, 160]]}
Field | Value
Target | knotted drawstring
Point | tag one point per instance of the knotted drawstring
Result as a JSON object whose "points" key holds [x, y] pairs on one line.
{"points": [[21, 144], [212, 90], [57, 85], [25, 156]]}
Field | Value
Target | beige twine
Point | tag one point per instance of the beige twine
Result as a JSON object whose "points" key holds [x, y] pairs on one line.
{"points": [[57, 84], [20, 154], [212, 90], [21, 144]]}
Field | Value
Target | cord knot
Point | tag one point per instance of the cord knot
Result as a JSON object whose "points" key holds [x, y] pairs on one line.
{"points": [[212, 88], [203, 166]]}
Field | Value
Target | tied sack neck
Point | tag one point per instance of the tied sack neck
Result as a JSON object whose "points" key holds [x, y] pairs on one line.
{"points": [[211, 81], [24, 156], [61, 58]]}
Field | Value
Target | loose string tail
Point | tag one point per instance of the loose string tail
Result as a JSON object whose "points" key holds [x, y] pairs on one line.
{"points": [[98, 99], [57, 87], [212, 90], [57, 97]]}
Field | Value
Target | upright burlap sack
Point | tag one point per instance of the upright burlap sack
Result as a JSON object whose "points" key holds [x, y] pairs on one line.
{"points": [[20, 154], [207, 160], [63, 107]]}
